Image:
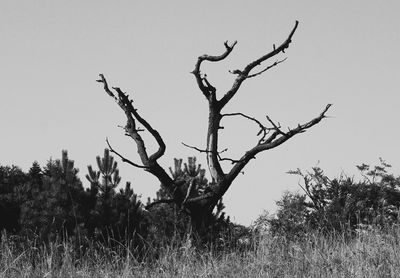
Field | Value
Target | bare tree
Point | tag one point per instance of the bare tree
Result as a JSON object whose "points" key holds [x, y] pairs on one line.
{"points": [[198, 204]]}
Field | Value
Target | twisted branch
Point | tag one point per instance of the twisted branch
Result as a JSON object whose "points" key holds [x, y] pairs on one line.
{"points": [[211, 58]]}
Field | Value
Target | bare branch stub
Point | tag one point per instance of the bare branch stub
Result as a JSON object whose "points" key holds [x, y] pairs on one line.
{"points": [[276, 127], [108, 91]]}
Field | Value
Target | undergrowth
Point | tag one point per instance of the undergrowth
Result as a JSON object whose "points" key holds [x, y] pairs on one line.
{"points": [[371, 252]]}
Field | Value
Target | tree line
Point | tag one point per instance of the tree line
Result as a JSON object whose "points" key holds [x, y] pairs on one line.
{"points": [[50, 203]]}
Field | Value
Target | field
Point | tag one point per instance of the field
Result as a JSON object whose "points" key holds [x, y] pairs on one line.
{"points": [[370, 253]]}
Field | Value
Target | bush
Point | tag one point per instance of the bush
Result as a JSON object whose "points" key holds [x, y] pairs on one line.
{"points": [[339, 204]]}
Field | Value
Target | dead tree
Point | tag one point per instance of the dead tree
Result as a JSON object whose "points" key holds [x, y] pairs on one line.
{"points": [[199, 205]]}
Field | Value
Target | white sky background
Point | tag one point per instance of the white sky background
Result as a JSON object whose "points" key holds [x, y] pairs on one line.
{"points": [[344, 52]]}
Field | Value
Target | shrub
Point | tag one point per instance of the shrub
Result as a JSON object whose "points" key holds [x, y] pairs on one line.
{"points": [[338, 204]]}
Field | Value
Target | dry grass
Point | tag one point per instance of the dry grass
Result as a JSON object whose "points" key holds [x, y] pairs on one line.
{"points": [[373, 253]]}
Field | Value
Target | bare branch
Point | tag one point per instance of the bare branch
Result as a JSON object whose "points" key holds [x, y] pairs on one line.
{"points": [[189, 190], [149, 163], [210, 88], [123, 158], [131, 113], [200, 150], [274, 52], [276, 139], [276, 126], [263, 130], [245, 73], [195, 148], [229, 159], [210, 58], [314, 121], [285, 136], [108, 91], [128, 104], [267, 68]]}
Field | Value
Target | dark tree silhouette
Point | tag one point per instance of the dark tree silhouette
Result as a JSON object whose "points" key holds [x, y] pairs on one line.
{"points": [[200, 205], [113, 214], [52, 200], [110, 179], [11, 178]]}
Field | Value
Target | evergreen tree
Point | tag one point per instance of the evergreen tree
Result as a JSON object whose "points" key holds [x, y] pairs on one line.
{"points": [[64, 194], [131, 221], [33, 201], [11, 178], [104, 211], [116, 215]]}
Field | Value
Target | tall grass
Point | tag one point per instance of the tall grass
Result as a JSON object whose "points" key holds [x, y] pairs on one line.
{"points": [[370, 253]]}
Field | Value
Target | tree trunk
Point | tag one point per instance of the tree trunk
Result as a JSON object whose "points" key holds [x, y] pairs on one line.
{"points": [[201, 224]]}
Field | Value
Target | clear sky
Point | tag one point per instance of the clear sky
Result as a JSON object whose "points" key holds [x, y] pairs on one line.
{"points": [[344, 52]]}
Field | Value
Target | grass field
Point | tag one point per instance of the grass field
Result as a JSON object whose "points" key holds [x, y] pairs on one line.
{"points": [[372, 253]]}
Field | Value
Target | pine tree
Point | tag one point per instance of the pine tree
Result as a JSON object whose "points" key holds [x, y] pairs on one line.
{"points": [[131, 219], [33, 200], [104, 214], [65, 194]]}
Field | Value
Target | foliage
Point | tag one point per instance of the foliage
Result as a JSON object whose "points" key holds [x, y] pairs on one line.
{"points": [[339, 204], [10, 178], [115, 216], [52, 200], [50, 204], [291, 217]]}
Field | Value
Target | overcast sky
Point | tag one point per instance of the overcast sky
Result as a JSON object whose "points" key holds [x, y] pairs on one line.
{"points": [[344, 52]]}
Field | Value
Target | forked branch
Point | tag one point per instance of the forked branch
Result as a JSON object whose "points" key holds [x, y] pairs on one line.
{"points": [[149, 162], [263, 130], [242, 75], [205, 88], [132, 115], [275, 139]]}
